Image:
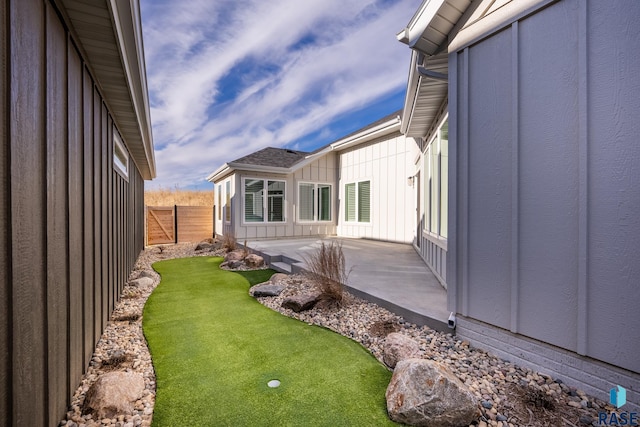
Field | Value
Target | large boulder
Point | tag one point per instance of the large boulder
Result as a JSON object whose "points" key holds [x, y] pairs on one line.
{"points": [[208, 245], [204, 246], [266, 289], [144, 273], [398, 347], [142, 282], [234, 256], [301, 302], [424, 393], [114, 393], [254, 261]]}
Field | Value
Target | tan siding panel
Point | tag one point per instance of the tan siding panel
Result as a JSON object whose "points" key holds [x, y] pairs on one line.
{"points": [[28, 211], [57, 211]]}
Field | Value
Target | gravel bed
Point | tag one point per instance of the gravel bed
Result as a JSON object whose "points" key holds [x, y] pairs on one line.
{"points": [[509, 395]]}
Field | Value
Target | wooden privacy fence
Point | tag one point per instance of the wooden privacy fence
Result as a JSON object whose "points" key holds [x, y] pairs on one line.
{"points": [[178, 224]]}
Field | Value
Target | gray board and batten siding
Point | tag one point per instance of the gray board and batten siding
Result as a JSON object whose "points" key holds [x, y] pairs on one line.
{"points": [[544, 115], [71, 227]]}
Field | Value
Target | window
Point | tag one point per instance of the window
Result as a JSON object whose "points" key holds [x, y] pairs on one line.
{"points": [[436, 188], [120, 155], [264, 200], [358, 201], [227, 206], [219, 202], [314, 202]]}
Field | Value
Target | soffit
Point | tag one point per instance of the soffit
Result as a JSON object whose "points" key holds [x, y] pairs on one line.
{"points": [[110, 35], [425, 98], [429, 29]]}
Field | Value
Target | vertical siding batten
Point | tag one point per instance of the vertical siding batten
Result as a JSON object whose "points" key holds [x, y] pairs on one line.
{"points": [[97, 217], [583, 190], [57, 215], [5, 233], [76, 217], [87, 182], [452, 276], [28, 211], [515, 161], [464, 195], [107, 302], [109, 206]]}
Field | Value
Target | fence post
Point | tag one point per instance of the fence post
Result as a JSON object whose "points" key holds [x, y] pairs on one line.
{"points": [[175, 224]]}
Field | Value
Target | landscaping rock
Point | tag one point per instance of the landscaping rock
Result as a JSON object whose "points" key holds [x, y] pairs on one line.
{"points": [[113, 393], [204, 246], [278, 278], [234, 264], [208, 245], [398, 347], [145, 273], [425, 393], [234, 256], [254, 261], [266, 289], [142, 282], [301, 302]]}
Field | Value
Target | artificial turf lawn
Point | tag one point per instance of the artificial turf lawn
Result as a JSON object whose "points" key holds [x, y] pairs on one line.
{"points": [[214, 349]]}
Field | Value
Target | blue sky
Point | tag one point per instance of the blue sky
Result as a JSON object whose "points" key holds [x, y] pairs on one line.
{"points": [[228, 77]]}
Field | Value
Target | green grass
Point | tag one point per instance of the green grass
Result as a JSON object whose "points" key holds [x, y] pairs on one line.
{"points": [[214, 349]]}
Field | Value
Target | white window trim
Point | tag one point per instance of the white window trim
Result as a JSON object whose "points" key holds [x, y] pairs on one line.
{"points": [[315, 211], [220, 202], [344, 188], [265, 201], [120, 155], [434, 237], [229, 203]]}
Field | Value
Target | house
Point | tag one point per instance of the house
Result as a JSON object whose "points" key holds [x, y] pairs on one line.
{"points": [[534, 226], [351, 187], [76, 147]]}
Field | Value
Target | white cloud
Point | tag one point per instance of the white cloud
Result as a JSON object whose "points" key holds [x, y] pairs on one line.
{"points": [[350, 58]]}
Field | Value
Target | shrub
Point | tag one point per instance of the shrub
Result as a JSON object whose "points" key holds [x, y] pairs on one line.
{"points": [[327, 268], [229, 242]]}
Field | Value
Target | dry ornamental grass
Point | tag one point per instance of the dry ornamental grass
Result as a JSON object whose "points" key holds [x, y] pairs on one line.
{"points": [[176, 196]]}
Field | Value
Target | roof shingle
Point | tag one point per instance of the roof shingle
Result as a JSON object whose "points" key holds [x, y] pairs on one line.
{"points": [[275, 157]]}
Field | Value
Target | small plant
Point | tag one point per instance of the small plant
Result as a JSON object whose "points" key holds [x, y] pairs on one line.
{"points": [[539, 399], [245, 250], [382, 328], [117, 359], [130, 293], [327, 268], [127, 317], [229, 242]]}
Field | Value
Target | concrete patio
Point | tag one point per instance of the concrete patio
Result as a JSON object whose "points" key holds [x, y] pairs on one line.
{"points": [[391, 275]]}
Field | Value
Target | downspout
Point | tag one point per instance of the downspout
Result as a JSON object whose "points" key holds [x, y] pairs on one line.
{"points": [[425, 72]]}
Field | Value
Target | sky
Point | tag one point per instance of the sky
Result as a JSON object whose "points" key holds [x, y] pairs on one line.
{"points": [[230, 77]]}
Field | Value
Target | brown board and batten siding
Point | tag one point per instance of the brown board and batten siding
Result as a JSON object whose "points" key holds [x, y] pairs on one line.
{"points": [[5, 232], [71, 227]]}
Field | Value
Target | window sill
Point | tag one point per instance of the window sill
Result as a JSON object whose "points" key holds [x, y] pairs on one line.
{"points": [[437, 240]]}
